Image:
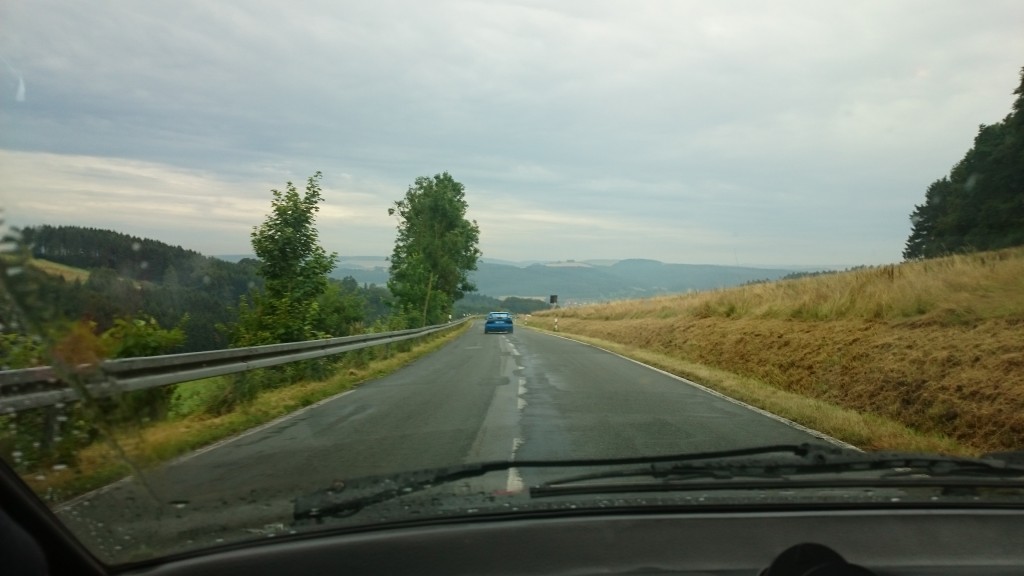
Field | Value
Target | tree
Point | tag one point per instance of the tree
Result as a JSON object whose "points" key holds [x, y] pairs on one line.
{"points": [[980, 205], [435, 250], [342, 309], [294, 268]]}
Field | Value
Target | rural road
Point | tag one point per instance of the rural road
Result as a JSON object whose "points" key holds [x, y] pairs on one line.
{"points": [[528, 395]]}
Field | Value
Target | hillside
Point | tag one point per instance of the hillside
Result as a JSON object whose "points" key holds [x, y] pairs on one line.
{"points": [[935, 344], [103, 275]]}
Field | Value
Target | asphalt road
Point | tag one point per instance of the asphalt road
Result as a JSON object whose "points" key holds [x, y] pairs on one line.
{"points": [[527, 395]]}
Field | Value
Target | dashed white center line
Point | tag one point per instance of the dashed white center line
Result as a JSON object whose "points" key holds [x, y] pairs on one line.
{"points": [[514, 484], [515, 481]]}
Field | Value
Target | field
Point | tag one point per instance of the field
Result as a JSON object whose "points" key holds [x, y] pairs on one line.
{"points": [[936, 345], [68, 273]]}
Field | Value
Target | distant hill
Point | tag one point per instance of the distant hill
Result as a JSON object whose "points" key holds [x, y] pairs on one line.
{"points": [[660, 277], [378, 276], [587, 281], [353, 262]]}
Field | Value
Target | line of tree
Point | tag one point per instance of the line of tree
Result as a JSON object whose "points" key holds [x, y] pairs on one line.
{"points": [[285, 294], [481, 304], [980, 204]]}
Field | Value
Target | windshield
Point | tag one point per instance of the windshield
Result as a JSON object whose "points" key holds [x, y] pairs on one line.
{"points": [[261, 260]]}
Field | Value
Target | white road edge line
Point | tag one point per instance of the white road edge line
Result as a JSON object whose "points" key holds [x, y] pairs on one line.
{"points": [[786, 421], [185, 457]]}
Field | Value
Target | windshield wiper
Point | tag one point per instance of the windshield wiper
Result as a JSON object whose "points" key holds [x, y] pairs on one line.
{"points": [[817, 468], [721, 469], [335, 502]]}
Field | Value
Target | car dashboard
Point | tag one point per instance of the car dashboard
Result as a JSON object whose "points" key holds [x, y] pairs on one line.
{"points": [[907, 542]]}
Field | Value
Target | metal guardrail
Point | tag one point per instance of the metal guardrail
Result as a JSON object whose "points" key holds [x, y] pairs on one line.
{"points": [[44, 386]]}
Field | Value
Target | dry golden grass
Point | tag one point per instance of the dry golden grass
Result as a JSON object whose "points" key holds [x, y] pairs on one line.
{"points": [[866, 431], [937, 346], [156, 443], [68, 273], [954, 290]]}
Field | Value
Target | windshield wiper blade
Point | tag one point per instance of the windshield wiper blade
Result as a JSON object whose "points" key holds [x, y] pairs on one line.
{"points": [[723, 468], [817, 468], [334, 501]]}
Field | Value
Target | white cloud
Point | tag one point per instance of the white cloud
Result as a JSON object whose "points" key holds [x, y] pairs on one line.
{"points": [[189, 207], [688, 131]]}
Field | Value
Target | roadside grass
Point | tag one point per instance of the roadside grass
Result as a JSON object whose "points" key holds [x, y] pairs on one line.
{"points": [[954, 290], [935, 345], [865, 431], [158, 442]]}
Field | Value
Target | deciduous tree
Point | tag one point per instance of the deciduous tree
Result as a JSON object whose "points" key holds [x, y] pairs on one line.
{"points": [[294, 267], [435, 250]]}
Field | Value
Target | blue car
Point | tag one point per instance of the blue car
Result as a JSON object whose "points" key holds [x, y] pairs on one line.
{"points": [[498, 322]]}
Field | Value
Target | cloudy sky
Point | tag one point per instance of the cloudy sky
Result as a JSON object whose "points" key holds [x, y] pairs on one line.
{"points": [[762, 133]]}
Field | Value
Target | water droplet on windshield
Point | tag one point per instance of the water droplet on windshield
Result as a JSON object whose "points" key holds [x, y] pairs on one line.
{"points": [[136, 246], [60, 466]]}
